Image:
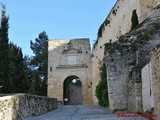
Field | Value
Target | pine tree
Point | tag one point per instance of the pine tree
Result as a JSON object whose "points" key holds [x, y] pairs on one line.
{"points": [[16, 73], [4, 60], [36, 84], [40, 60], [27, 82]]}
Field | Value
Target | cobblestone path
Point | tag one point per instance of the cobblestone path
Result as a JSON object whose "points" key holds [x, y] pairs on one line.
{"points": [[81, 112]]}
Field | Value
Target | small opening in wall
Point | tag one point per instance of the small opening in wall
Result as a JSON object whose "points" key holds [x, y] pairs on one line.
{"points": [[50, 68], [86, 52], [100, 47]]}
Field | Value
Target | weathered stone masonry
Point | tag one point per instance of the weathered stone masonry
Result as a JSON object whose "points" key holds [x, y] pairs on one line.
{"points": [[69, 58], [19, 106], [125, 60], [155, 62], [119, 23]]}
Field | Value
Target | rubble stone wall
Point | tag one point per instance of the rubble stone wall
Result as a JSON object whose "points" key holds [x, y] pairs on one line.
{"points": [[119, 24], [155, 61], [19, 106]]}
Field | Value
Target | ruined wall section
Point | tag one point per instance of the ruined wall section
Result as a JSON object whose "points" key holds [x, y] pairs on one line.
{"points": [[116, 24], [125, 59], [155, 61]]}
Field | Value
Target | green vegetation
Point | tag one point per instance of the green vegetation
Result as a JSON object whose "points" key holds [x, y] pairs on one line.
{"points": [[108, 48], [114, 12], [134, 20], [20, 74], [39, 62], [100, 30], [101, 88], [4, 52]]}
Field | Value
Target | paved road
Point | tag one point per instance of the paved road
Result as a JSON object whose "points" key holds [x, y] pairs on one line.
{"points": [[81, 112]]}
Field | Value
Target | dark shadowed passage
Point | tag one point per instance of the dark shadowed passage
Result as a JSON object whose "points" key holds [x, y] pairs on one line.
{"points": [[72, 91]]}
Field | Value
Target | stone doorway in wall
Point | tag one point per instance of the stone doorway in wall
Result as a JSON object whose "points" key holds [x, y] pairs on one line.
{"points": [[72, 91]]}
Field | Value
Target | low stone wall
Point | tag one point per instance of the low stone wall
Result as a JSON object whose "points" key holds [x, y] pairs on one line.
{"points": [[18, 106]]}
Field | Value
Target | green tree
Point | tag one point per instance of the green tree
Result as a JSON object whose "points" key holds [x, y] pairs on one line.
{"points": [[134, 20], [28, 74], [4, 57], [101, 88], [39, 62], [16, 67], [36, 84]]}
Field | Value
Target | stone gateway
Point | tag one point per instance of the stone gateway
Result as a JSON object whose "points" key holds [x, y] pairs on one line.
{"points": [[69, 71]]}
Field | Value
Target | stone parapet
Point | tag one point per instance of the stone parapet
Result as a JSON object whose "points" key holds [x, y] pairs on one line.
{"points": [[19, 106]]}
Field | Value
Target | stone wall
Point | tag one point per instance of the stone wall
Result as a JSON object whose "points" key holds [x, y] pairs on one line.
{"points": [[75, 96], [147, 88], [69, 58], [124, 60], [18, 106], [119, 24], [155, 61]]}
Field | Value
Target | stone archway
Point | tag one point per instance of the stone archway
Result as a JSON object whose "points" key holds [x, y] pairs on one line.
{"points": [[68, 60], [72, 90]]}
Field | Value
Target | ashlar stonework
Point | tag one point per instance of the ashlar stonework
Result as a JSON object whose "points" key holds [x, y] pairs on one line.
{"points": [[69, 59]]}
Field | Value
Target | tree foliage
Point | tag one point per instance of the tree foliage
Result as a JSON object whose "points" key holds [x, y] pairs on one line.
{"points": [[18, 74], [16, 69], [39, 62], [101, 88], [134, 20], [13, 75], [4, 57]]}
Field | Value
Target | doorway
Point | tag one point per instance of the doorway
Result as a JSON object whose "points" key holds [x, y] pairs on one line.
{"points": [[72, 91]]}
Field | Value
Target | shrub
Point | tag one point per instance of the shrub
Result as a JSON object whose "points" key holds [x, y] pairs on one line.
{"points": [[134, 20], [101, 88]]}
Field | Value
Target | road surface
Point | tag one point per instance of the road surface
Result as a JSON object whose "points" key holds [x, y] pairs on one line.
{"points": [[81, 112]]}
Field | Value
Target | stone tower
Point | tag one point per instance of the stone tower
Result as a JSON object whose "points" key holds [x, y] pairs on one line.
{"points": [[69, 71]]}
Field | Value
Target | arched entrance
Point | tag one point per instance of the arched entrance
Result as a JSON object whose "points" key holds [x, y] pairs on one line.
{"points": [[72, 90]]}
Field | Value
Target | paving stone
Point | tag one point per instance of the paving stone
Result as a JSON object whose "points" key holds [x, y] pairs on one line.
{"points": [[81, 112]]}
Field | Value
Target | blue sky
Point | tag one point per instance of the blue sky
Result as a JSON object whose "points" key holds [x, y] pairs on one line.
{"points": [[61, 19]]}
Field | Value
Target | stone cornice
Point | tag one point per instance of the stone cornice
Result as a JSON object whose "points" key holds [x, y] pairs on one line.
{"points": [[76, 66]]}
